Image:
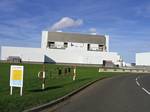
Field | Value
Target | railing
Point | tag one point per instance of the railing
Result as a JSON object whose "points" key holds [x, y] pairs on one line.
{"points": [[130, 70]]}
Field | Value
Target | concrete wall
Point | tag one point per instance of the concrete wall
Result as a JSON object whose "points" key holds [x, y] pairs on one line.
{"points": [[107, 43], [131, 70], [74, 53], [60, 56], [26, 54], [78, 53], [44, 39], [143, 59]]}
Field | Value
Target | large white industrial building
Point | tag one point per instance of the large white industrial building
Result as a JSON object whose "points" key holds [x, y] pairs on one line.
{"points": [[60, 47], [143, 59]]}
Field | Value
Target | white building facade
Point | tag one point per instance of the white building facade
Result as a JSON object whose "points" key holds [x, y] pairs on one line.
{"points": [[143, 59], [60, 47]]}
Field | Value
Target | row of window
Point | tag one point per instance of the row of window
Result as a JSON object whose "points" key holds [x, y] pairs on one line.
{"points": [[54, 45], [61, 45], [95, 48]]}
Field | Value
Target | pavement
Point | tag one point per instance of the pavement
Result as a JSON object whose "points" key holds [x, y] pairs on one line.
{"points": [[127, 93]]}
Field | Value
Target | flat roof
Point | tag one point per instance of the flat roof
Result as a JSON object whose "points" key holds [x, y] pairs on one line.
{"points": [[76, 37]]}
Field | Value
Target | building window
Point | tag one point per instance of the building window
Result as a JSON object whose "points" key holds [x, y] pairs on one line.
{"points": [[88, 47], [65, 44], [95, 47], [57, 45], [51, 44], [101, 47]]}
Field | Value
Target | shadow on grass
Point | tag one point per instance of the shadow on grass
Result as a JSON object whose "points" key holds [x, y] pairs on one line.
{"points": [[59, 86], [46, 89], [83, 79]]}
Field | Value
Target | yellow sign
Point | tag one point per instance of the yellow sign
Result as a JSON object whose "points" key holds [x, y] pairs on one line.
{"points": [[16, 76]]}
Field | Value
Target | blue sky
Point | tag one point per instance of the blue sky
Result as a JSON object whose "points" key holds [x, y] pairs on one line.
{"points": [[126, 21]]}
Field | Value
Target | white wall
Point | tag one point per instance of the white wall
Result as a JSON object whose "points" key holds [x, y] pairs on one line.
{"points": [[26, 54], [107, 42], [112, 56], [44, 39], [143, 58], [74, 53], [78, 54], [89, 57]]}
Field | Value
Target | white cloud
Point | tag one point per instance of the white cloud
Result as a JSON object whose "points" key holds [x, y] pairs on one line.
{"points": [[92, 30], [66, 22]]}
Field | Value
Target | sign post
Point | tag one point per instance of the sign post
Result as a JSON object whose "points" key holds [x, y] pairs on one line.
{"points": [[16, 77], [74, 73], [41, 75]]}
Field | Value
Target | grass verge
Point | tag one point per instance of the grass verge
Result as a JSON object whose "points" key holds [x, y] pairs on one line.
{"points": [[56, 85]]}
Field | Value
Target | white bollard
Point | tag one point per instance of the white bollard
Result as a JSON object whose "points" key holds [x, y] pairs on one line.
{"points": [[74, 73], [21, 91], [43, 86], [11, 88]]}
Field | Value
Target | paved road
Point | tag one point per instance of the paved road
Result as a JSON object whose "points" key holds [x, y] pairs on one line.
{"points": [[129, 93]]}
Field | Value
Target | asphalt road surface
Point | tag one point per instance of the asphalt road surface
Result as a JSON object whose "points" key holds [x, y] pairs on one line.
{"points": [[128, 93]]}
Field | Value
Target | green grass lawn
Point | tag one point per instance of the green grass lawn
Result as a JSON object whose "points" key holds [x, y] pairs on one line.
{"points": [[56, 86]]}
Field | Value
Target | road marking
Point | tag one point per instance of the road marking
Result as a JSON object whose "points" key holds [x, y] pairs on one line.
{"points": [[140, 85], [136, 79], [146, 91], [137, 83]]}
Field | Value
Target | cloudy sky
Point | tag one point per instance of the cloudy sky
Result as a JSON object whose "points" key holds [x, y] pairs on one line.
{"points": [[127, 22]]}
